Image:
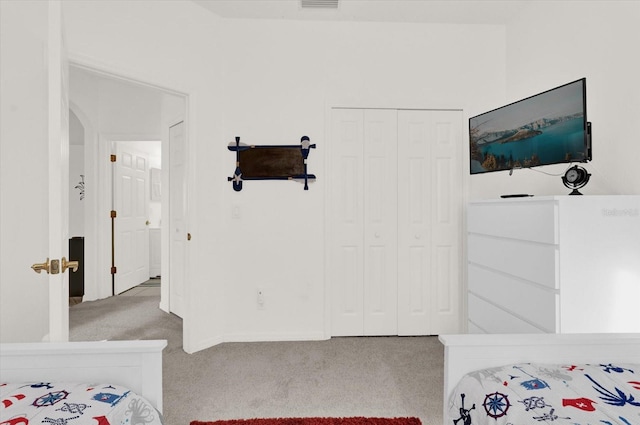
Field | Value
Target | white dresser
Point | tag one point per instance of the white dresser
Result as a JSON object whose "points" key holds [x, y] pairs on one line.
{"points": [[562, 264]]}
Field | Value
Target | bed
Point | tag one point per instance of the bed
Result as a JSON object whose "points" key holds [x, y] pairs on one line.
{"points": [[109, 382], [576, 379]]}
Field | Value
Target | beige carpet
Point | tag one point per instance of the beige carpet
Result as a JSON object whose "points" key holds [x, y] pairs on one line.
{"points": [[341, 377]]}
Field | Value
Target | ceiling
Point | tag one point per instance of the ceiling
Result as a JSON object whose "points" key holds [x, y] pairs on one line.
{"points": [[491, 12]]}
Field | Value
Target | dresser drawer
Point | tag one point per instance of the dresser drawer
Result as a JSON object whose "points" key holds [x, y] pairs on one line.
{"points": [[537, 305], [529, 261], [497, 321], [530, 220]]}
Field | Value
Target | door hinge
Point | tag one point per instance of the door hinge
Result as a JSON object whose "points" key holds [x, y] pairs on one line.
{"points": [[113, 214], [114, 270], [112, 158]]}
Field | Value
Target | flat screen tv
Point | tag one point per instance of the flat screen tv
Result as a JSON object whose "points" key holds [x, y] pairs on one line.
{"points": [[548, 128]]}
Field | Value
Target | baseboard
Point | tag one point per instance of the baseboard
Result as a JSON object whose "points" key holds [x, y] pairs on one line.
{"points": [[268, 337]]}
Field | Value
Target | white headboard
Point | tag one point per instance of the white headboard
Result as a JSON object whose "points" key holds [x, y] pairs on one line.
{"points": [[133, 364]]}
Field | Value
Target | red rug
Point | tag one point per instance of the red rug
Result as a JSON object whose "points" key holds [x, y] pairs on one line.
{"points": [[316, 421]]}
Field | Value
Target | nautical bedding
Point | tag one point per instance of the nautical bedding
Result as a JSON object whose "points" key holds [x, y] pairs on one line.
{"points": [[73, 404], [531, 393]]}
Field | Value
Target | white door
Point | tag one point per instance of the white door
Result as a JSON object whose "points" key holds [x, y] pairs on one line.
{"points": [[429, 230], [380, 222], [347, 223], [395, 222], [177, 218], [131, 203], [34, 179], [363, 254]]}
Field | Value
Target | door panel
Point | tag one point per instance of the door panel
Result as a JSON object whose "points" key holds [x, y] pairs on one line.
{"points": [[447, 227], [177, 219], [58, 174], [346, 274], [364, 220], [414, 231], [33, 171], [429, 239], [380, 222]]}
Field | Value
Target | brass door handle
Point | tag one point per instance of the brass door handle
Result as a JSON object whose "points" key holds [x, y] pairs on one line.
{"points": [[73, 265], [38, 267]]}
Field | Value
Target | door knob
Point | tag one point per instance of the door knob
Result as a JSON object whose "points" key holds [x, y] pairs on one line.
{"points": [[38, 267], [73, 265]]}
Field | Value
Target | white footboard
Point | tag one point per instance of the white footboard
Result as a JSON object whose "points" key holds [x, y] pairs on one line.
{"points": [[467, 353], [134, 364]]}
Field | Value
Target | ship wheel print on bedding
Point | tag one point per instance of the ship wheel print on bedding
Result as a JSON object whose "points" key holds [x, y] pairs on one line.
{"points": [[50, 399], [496, 405]]}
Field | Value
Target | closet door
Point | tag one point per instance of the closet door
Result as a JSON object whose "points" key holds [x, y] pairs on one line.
{"points": [[347, 223], [395, 225], [364, 222], [430, 220], [380, 222]]}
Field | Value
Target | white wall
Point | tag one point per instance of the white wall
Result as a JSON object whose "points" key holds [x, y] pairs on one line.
{"points": [[116, 107], [76, 203], [76, 176], [272, 82], [280, 79], [549, 46]]}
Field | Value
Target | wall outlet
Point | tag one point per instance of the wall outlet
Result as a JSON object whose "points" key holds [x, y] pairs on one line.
{"points": [[260, 298]]}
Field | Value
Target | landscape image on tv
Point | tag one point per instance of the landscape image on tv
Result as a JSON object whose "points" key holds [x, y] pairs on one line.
{"points": [[547, 128]]}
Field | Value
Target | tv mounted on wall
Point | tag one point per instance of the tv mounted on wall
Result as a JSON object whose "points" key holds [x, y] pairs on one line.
{"points": [[548, 128]]}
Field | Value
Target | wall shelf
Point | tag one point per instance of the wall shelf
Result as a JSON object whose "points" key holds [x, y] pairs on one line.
{"points": [[271, 162]]}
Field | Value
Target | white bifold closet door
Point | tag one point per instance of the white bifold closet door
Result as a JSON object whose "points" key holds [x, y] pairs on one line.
{"points": [[395, 222], [364, 222]]}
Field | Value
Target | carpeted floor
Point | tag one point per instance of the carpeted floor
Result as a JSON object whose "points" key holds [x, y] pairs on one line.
{"points": [[154, 282], [316, 421], [340, 377]]}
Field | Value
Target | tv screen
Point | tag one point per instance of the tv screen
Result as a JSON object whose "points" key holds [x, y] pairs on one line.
{"points": [[547, 128]]}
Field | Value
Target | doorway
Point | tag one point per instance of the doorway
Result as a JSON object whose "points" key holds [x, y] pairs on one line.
{"points": [[114, 112]]}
